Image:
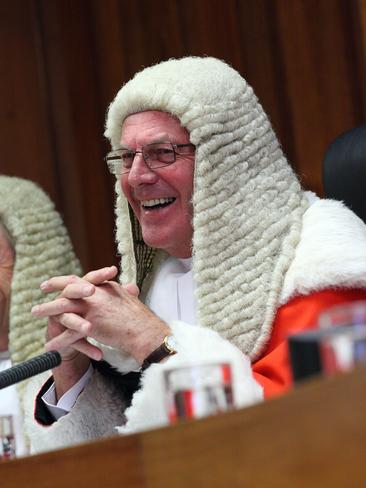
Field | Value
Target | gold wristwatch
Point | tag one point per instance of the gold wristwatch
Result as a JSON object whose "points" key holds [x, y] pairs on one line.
{"points": [[167, 348]]}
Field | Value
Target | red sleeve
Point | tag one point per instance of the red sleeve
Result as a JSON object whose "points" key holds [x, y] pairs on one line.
{"points": [[272, 370]]}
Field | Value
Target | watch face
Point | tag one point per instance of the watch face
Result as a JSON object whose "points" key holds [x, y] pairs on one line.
{"points": [[171, 344]]}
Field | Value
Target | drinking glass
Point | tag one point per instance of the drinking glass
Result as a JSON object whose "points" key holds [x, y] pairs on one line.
{"points": [[198, 390], [343, 344], [7, 438]]}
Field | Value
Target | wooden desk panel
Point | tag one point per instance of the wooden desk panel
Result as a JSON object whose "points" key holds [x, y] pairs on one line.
{"points": [[315, 436]]}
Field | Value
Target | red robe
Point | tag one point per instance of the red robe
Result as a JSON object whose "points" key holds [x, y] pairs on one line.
{"points": [[272, 370]]}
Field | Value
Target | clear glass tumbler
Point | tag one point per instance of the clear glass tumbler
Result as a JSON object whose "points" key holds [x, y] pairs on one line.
{"points": [[7, 438], [343, 344], [198, 391]]}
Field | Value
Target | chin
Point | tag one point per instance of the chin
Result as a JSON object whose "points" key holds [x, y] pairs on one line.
{"points": [[172, 243], [158, 244]]}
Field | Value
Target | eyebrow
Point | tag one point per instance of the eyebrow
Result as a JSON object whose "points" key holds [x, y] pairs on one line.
{"points": [[123, 147], [160, 139]]}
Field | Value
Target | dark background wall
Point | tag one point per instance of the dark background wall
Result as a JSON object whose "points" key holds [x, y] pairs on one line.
{"points": [[62, 61]]}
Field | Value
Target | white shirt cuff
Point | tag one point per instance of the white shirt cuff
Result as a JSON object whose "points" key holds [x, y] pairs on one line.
{"points": [[68, 399]]}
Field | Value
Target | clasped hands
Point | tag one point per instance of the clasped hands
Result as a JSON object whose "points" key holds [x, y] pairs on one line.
{"points": [[96, 307]]}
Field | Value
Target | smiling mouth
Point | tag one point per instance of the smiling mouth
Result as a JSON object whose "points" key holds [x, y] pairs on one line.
{"points": [[157, 203]]}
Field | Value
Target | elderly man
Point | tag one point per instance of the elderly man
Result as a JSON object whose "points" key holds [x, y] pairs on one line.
{"points": [[33, 244], [229, 253]]}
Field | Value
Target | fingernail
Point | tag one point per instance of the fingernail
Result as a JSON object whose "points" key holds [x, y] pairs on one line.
{"points": [[35, 309], [43, 285]]}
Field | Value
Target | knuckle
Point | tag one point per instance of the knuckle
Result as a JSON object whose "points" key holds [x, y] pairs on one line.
{"points": [[73, 279], [64, 304], [88, 328]]}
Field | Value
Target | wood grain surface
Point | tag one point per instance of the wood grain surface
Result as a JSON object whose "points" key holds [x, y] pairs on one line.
{"points": [[312, 437]]}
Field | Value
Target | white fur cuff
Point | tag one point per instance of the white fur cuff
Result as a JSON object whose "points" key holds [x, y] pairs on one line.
{"points": [[195, 345]]}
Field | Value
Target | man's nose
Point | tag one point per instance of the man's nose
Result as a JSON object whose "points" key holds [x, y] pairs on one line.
{"points": [[140, 173]]}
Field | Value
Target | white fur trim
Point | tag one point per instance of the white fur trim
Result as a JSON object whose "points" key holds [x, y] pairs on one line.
{"points": [[331, 252], [195, 345], [98, 409], [120, 360]]}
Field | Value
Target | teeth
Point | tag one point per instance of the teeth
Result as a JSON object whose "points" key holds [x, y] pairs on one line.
{"points": [[156, 201]]}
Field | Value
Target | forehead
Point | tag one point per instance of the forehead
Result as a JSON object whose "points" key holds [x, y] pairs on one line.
{"points": [[152, 126]]}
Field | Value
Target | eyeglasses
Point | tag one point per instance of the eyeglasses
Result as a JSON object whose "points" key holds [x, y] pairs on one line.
{"points": [[155, 155]]}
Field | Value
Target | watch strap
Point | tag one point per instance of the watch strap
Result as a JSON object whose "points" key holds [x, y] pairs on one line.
{"points": [[158, 354]]}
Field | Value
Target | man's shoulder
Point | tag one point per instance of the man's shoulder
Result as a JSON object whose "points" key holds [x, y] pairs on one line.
{"points": [[331, 251]]}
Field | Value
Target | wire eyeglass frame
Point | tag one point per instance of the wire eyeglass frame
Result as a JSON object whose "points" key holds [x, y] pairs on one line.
{"points": [[155, 155]]}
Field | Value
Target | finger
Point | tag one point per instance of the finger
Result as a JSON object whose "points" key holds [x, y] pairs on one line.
{"points": [[78, 290], [75, 322], [58, 283], [67, 338], [98, 276], [88, 349], [57, 307], [81, 345], [132, 289], [54, 328]]}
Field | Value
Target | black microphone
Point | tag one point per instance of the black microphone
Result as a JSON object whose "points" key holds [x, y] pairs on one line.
{"points": [[29, 368]]}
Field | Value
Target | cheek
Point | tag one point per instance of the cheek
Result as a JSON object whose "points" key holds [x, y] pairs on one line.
{"points": [[180, 176], [127, 192], [186, 185], [125, 187]]}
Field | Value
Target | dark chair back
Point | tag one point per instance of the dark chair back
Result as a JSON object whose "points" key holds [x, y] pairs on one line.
{"points": [[344, 170]]}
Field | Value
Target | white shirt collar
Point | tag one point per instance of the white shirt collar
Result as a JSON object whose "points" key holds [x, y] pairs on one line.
{"points": [[171, 295]]}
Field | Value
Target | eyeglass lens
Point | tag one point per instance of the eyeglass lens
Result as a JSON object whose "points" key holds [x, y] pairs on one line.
{"points": [[152, 154], [155, 155]]}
